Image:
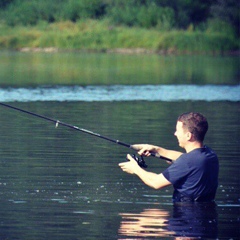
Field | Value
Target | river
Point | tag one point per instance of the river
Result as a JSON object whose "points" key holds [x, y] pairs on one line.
{"points": [[58, 183]]}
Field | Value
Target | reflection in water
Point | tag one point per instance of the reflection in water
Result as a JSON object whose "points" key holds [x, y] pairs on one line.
{"points": [[148, 223], [187, 221]]}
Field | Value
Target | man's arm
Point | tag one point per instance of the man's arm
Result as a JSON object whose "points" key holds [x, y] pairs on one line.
{"points": [[153, 180], [147, 149]]}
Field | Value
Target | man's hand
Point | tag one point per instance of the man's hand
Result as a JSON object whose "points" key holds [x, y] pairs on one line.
{"points": [[129, 167], [153, 180], [144, 149], [147, 150]]}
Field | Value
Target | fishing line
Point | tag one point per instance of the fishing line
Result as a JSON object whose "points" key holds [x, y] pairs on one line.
{"points": [[58, 122]]}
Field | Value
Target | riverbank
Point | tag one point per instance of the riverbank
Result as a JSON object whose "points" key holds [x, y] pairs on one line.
{"points": [[121, 51], [101, 36], [116, 50]]}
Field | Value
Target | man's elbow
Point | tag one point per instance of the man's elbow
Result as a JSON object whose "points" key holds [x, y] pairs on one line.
{"points": [[156, 186], [159, 182]]}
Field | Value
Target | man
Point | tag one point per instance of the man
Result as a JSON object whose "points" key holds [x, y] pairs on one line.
{"points": [[194, 174]]}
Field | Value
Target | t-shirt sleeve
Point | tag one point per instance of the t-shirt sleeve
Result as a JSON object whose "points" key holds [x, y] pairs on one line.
{"points": [[177, 171]]}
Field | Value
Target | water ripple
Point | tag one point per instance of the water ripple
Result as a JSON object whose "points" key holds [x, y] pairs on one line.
{"points": [[168, 93]]}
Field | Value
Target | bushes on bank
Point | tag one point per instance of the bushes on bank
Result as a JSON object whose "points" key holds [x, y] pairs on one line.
{"points": [[173, 26], [197, 42], [30, 12], [165, 15], [101, 36], [146, 16]]}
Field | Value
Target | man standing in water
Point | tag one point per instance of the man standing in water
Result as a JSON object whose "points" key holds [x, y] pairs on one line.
{"points": [[194, 174]]}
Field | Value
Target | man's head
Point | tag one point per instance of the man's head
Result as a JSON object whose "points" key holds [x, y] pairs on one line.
{"points": [[194, 123]]}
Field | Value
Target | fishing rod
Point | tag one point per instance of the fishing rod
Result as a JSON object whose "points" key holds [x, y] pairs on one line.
{"points": [[57, 122]]}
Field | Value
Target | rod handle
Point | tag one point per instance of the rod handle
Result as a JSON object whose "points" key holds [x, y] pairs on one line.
{"points": [[157, 155]]}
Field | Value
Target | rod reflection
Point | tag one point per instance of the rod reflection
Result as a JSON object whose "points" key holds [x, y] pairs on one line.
{"points": [[186, 221]]}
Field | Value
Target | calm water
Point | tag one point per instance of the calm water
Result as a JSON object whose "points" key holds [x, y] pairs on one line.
{"points": [[34, 69], [57, 183]]}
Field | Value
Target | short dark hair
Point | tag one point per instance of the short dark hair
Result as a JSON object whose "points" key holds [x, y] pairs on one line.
{"points": [[195, 123]]}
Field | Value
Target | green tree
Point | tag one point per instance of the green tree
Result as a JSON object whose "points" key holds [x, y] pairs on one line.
{"points": [[228, 11], [80, 9], [144, 13], [5, 3], [187, 11]]}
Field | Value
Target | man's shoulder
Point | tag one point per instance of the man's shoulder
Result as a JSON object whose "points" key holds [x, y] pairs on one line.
{"points": [[209, 153], [197, 156], [205, 150]]}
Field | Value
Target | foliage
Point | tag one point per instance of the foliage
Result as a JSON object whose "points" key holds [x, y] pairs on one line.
{"points": [[5, 3], [197, 42], [74, 10], [30, 12], [228, 11], [175, 24], [133, 13], [217, 25], [163, 14], [99, 35]]}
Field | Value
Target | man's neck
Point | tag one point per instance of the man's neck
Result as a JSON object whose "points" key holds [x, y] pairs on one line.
{"points": [[193, 145]]}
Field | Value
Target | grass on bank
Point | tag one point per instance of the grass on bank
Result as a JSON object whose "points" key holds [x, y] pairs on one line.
{"points": [[101, 36]]}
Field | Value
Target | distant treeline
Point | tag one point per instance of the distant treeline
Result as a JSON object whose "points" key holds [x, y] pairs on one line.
{"points": [[163, 15]]}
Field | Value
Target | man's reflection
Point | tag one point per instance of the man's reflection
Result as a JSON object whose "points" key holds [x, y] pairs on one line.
{"points": [[186, 221], [148, 223]]}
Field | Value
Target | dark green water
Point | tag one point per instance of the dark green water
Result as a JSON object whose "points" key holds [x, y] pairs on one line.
{"points": [[57, 183], [34, 69]]}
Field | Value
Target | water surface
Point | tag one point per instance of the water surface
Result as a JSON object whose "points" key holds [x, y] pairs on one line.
{"points": [[57, 183], [123, 93], [34, 69]]}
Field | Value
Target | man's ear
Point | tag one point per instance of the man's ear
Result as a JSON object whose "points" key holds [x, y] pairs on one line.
{"points": [[189, 136]]}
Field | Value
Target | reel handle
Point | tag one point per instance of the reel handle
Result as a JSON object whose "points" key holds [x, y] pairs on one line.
{"points": [[139, 160]]}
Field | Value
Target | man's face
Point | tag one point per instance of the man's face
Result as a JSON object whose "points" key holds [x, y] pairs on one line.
{"points": [[181, 134]]}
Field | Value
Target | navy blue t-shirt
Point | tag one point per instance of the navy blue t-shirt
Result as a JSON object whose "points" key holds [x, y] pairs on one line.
{"points": [[194, 175]]}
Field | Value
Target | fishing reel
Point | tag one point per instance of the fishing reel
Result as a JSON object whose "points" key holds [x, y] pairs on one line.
{"points": [[139, 160]]}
